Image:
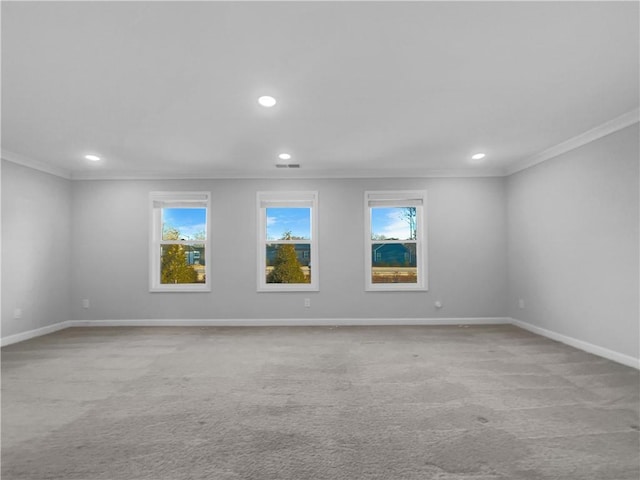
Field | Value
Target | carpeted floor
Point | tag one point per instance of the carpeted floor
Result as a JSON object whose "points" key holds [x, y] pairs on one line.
{"points": [[317, 403]]}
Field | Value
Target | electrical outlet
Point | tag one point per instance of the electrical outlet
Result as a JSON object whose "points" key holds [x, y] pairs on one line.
{"points": [[17, 313], [307, 303], [521, 303], [85, 303]]}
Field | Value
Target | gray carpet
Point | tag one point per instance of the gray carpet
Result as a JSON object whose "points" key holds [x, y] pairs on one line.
{"points": [[318, 403]]}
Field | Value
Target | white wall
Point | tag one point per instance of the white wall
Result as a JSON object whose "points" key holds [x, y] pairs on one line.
{"points": [[562, 236], [573, 243], [466, 242], [36, 253]]}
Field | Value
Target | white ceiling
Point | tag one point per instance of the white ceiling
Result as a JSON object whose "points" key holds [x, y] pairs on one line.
{"points": [[363, 88]]}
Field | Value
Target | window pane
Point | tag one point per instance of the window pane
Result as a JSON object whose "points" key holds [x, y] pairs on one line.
{"points": [[393, 223], [288, 263], [290, 223], [394, 263], [184, 224], [182, 264]]}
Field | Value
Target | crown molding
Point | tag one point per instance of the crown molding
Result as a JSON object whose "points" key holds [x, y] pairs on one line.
{"points": [[589, 136], [276, 174], [290, 174], [35, 164]]}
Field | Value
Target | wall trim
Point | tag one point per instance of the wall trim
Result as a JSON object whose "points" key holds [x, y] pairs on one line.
{"points": [[250, 322], [38, 332], [580, 344], [336, 322], [35, 164], [115, 175], [300, 174], [584, 138], [290, 322]]}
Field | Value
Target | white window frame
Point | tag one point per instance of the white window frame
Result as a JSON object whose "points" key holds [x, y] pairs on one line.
{"points": [[397, 198], [273, 199], [158, 201]]}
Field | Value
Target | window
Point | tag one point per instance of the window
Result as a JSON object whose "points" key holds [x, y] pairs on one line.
{"points": [[395, 240], [179, 258], [287, 241]]}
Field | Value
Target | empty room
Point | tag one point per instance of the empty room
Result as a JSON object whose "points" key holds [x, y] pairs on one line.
{"points": [[320, 240]]}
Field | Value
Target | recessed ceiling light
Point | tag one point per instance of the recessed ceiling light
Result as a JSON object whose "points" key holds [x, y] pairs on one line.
{"points": [[478, 156], [284, 156], [267, 101], [93, 158]]}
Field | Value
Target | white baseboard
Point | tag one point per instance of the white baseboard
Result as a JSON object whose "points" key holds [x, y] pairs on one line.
{"points": [[250, 322], [277, 322], [38, 332], [291, 322], [580, 344]]}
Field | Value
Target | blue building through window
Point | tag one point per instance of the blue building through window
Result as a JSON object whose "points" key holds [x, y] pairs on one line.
{"points": [[303, 253]]}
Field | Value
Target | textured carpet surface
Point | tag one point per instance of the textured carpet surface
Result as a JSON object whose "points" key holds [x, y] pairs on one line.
{"points": [[317, 403]]}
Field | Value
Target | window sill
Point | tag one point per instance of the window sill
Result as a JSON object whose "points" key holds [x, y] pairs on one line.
{"points": [[394, 287], [279, 288], [180, 289]]}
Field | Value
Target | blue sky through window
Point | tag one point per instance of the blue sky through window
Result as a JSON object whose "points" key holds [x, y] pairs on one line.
{"points": [[190, 222], [290, 219], [387, 222]]}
